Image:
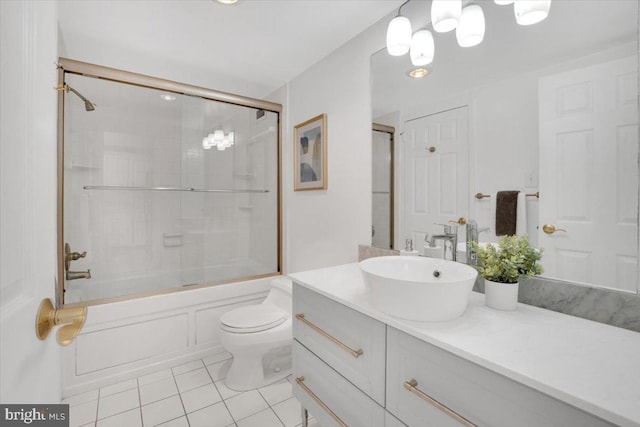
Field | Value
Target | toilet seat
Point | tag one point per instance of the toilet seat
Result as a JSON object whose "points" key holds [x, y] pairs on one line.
{"points": [[252, 318]]}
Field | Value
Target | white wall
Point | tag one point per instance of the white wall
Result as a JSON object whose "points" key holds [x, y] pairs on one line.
{"points": [[324, 227]]}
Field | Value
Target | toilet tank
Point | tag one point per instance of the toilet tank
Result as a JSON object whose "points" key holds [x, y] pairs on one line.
{"points": [[280, 293]]}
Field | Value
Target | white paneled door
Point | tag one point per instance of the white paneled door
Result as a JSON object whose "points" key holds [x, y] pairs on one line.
{"points": [[29, 368], [436, 173], [589, 174]]}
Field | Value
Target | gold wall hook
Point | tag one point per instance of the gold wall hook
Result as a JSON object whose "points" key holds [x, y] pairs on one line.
{"points": [[481, 196], [72, 318], [459, 221]]}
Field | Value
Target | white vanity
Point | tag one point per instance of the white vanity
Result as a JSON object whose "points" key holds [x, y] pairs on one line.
{"points": [[355, 366]]}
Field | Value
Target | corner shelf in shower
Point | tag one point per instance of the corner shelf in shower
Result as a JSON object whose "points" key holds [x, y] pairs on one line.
{"points": [[187, 189]]}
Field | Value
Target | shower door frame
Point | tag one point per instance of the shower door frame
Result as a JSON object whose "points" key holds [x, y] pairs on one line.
{"points": [[66, 65]]}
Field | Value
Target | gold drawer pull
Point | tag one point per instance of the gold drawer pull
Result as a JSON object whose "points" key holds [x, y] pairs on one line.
{"points": [[336, 418], [354, 353], [412, 386]]}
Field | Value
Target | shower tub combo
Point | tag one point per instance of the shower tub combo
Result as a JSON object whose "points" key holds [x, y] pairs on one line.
{"points": [[163, 187]]}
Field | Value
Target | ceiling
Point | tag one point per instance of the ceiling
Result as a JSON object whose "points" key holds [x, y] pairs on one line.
{"points": [[254, 46]]}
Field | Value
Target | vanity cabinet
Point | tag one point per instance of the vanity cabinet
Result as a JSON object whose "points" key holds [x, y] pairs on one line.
{"points": [[353, 370], [418, 371]]}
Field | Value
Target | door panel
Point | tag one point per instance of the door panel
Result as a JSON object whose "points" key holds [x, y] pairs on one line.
{"points": [[436, 177], [29, 368], [589, 174]]}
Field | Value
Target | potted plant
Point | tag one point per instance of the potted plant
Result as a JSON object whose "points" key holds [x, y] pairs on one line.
{"points": [[502, 266]]}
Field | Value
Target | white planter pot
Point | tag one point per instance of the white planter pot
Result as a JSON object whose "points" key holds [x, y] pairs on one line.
{"points": [[501, 296]]}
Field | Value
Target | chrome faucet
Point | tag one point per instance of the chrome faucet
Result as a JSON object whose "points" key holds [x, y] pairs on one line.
{"points": [[73, 275], [472, 236], [449, 238]]}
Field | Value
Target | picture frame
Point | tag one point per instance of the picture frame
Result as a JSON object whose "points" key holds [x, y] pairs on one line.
{"points": [[310, 154]]}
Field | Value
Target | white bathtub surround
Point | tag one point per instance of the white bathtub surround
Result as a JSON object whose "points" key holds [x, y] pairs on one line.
{"points": [[128, 339], [586, 365], [191, 394]]}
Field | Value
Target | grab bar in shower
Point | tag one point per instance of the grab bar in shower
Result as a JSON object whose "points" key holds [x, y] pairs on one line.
{"points": [[195, 190]]}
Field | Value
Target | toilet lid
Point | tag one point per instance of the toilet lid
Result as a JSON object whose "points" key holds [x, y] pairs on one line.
{"points": [[253, 318]]}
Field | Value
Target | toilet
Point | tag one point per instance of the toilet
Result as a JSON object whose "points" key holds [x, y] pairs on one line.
{"points": [[259, 337]]}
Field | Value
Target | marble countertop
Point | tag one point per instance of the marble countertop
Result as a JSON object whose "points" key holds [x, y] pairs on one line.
{"points": [[590, 365]]}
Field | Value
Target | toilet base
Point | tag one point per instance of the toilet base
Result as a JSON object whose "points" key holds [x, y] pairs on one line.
{"points": [[249, 372]]}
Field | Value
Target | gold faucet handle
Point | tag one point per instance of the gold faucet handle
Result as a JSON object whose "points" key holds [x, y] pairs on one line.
{"points": [[550, 229], [459, 221], [75, 255]]}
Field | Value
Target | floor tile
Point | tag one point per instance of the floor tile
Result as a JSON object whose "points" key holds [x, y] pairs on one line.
{"points": [[178, 422], [119, 387], [225, 391], [158, 390], [83, 413], [215, 358], [246, 404], [200, 397], [117, 403], [276, 393], [212, 416], [266, 418], [219, 370], [187, 367], [193, 379], [156, 376], [131, 418], [81, 398], [162, 411], [289, 412]]}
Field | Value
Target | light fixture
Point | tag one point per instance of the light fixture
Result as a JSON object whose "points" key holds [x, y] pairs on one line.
{"points": [[422, 48], [418, 73], [445, 14], [227, 1], [399, 36], [529, 12], [168, 97], [470, 31], [219, 140]]}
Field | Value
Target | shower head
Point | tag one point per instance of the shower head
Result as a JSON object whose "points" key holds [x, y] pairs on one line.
{"points": [[88, 105]]}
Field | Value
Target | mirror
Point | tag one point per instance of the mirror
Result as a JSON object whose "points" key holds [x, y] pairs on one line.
{"points": [[382, 186], [548, 109]]}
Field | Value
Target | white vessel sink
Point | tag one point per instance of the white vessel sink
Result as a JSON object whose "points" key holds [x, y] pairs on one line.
{"points": [[418, 288]]}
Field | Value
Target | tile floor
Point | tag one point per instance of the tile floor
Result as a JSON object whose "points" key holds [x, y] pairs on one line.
{"points": [[189, 395]]}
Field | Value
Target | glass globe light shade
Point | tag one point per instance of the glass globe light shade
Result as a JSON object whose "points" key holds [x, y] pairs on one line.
{"points": [[529, 12], [205, 143], [399, 36], [470, 31], [422, 48], [231, 136], [218, 136], [445, 14]]}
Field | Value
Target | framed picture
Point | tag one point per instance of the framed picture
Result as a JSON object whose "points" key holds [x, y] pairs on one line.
{"points": [[310, 154]]}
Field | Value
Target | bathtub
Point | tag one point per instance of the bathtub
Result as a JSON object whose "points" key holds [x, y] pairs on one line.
{"points": [[126, 339]]}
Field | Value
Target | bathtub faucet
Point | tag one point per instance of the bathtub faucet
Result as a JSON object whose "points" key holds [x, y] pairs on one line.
{"points": [[73, 275]]}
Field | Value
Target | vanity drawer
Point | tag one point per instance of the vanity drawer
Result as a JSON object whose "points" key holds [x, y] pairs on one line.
{"points": [[480, 396], [328, 396], [350, 342]]}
